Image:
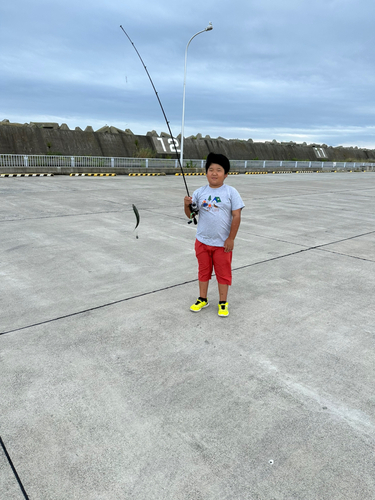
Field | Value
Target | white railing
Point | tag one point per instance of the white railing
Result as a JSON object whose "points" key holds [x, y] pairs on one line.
{"points": [[33, 161], [92, 162]]}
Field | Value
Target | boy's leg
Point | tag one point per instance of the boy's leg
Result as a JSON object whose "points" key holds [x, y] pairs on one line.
{"points": [[203, 289], [223, 271], [223, 292], [205, 265]]}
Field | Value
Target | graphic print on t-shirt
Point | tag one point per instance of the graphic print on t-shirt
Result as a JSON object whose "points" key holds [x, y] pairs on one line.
{"points": [[211, 205]]}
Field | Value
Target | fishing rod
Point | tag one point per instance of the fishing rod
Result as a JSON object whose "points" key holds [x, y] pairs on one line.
{"points": [[193, 207]]}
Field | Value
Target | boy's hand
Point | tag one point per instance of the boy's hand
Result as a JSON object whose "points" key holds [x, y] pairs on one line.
{"points": [[228, 245], [187, 208], [188, 200]]}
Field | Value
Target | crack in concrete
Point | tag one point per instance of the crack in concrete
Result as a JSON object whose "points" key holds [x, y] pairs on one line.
{"points": [[316, 247], [14, 470]]}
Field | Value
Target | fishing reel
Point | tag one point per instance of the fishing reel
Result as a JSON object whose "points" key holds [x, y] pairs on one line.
{"points": [[194, 210]]}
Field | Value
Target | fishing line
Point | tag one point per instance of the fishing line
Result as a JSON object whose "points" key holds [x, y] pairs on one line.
{"points": [[193, 207]]}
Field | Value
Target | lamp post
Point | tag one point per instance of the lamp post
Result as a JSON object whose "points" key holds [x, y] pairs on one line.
{"points": [[209, 28]]}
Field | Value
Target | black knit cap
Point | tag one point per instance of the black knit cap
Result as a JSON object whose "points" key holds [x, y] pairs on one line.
{"points": [[219, 159]]}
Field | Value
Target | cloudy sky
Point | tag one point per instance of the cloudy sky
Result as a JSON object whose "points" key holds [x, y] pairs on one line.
{"points": [[290, 70]]}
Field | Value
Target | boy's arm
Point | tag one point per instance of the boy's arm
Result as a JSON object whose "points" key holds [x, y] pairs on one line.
{"points": [[236, 220], [187, 202]]}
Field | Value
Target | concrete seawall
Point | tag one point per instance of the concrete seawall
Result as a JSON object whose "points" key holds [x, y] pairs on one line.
{"points": [[41, 139]]}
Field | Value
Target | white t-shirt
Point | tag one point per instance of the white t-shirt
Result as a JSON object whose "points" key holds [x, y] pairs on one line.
{"points": [[215, 213]]}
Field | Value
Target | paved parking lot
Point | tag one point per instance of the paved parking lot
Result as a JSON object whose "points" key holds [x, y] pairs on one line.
{"points": [[112, 389]]}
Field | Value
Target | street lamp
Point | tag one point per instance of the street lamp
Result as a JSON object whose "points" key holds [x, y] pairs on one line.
{"points": [[209, 28]]}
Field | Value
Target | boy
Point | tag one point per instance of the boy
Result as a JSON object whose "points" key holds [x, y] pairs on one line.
{"points": [[219, 208]]}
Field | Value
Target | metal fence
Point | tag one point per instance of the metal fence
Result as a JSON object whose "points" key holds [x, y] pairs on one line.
{"points": [[53, 161], [92, 162], [297, 165]]}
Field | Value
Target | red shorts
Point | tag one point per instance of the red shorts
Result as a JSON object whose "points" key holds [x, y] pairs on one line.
{"points": [[213, 257]]}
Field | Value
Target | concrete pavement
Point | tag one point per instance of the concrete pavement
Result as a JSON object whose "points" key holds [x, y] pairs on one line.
{"points": [[112, 389]]}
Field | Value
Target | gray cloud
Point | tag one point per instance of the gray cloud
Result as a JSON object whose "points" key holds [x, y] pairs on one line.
{"points": [[293, 70]]}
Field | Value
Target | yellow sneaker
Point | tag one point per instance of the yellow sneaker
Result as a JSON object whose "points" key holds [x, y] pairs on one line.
{"points": [[200, 304], [223, 310]]}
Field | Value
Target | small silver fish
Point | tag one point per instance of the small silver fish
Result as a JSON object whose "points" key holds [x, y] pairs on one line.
{"points": [[137, 216]]}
